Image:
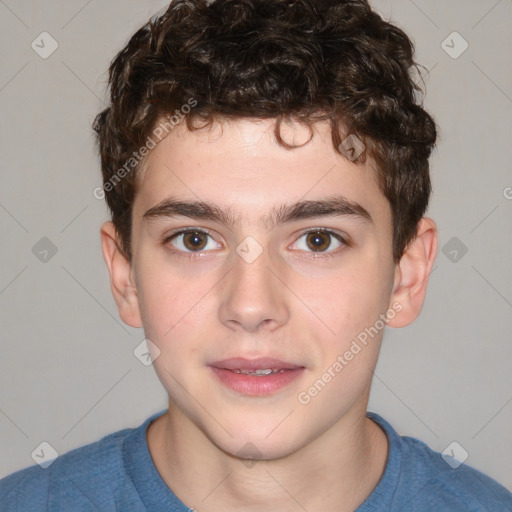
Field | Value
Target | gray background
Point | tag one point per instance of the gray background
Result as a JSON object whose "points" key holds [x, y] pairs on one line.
{"points": [[68, 374]]}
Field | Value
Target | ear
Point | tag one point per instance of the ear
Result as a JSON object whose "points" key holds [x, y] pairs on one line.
{"points": [[121, 279], [412, 273]]}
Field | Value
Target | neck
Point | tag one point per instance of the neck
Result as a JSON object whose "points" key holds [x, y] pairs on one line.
{"points": [[342, 465]]}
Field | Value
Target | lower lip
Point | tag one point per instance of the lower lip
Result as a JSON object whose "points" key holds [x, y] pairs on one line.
{"points": [[254, 385]]}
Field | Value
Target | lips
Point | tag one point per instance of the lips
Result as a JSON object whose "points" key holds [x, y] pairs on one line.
{"points": [[260, 377], [251, 365]]}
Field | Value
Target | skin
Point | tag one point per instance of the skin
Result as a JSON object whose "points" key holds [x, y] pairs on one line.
{"points": [[291, 303]]}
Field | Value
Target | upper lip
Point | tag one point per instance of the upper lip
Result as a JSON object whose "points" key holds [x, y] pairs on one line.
{"points": [[258, 363]]}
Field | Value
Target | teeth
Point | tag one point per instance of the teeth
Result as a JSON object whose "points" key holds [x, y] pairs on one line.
{"points": [[262, 371]]}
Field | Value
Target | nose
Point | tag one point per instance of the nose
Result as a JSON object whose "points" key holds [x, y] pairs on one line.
{"points": [[253, 296]]}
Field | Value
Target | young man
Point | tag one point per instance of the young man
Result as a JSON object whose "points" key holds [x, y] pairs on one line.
{"points": [[266, 166]]}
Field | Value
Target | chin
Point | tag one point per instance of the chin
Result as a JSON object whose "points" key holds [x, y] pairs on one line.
{"points": [[256, 444], [250, 451]]}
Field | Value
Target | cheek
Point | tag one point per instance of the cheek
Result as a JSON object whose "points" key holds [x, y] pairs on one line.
{"points": [[168, 304], [171, 314], [349, 299]]}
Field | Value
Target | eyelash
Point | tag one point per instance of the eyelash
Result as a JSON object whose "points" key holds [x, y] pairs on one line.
{"points": [[198, 254]]}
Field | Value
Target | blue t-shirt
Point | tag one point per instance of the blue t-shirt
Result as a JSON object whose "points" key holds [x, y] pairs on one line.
{"points": [[117, 473]]}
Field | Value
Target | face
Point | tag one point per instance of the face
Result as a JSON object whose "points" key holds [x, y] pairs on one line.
{"points": [[256, 276]]}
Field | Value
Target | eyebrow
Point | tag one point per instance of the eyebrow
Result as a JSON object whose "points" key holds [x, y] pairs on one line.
{"points": [[333, 206]]}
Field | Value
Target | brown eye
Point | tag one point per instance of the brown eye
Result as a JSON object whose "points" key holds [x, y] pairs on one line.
{"points": [[191, 240], [321, 241], [318, 240], [194, 240]]}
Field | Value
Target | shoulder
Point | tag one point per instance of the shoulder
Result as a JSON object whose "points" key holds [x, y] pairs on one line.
{"points": [[428, 480], [78, 479], [449, 483]]}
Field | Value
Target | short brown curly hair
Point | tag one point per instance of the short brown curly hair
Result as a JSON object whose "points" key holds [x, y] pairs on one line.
{"points": [[306, 60]]}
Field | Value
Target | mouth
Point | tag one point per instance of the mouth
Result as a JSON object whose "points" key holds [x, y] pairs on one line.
{"points": [[256, 377], [252, 365], [258, 371]]}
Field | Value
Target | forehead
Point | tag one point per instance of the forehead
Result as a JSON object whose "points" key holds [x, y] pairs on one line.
{"points": [[240, 166]]}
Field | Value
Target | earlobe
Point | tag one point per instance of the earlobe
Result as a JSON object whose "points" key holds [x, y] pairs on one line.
{"points": [[121, 278], [412, 273]]}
